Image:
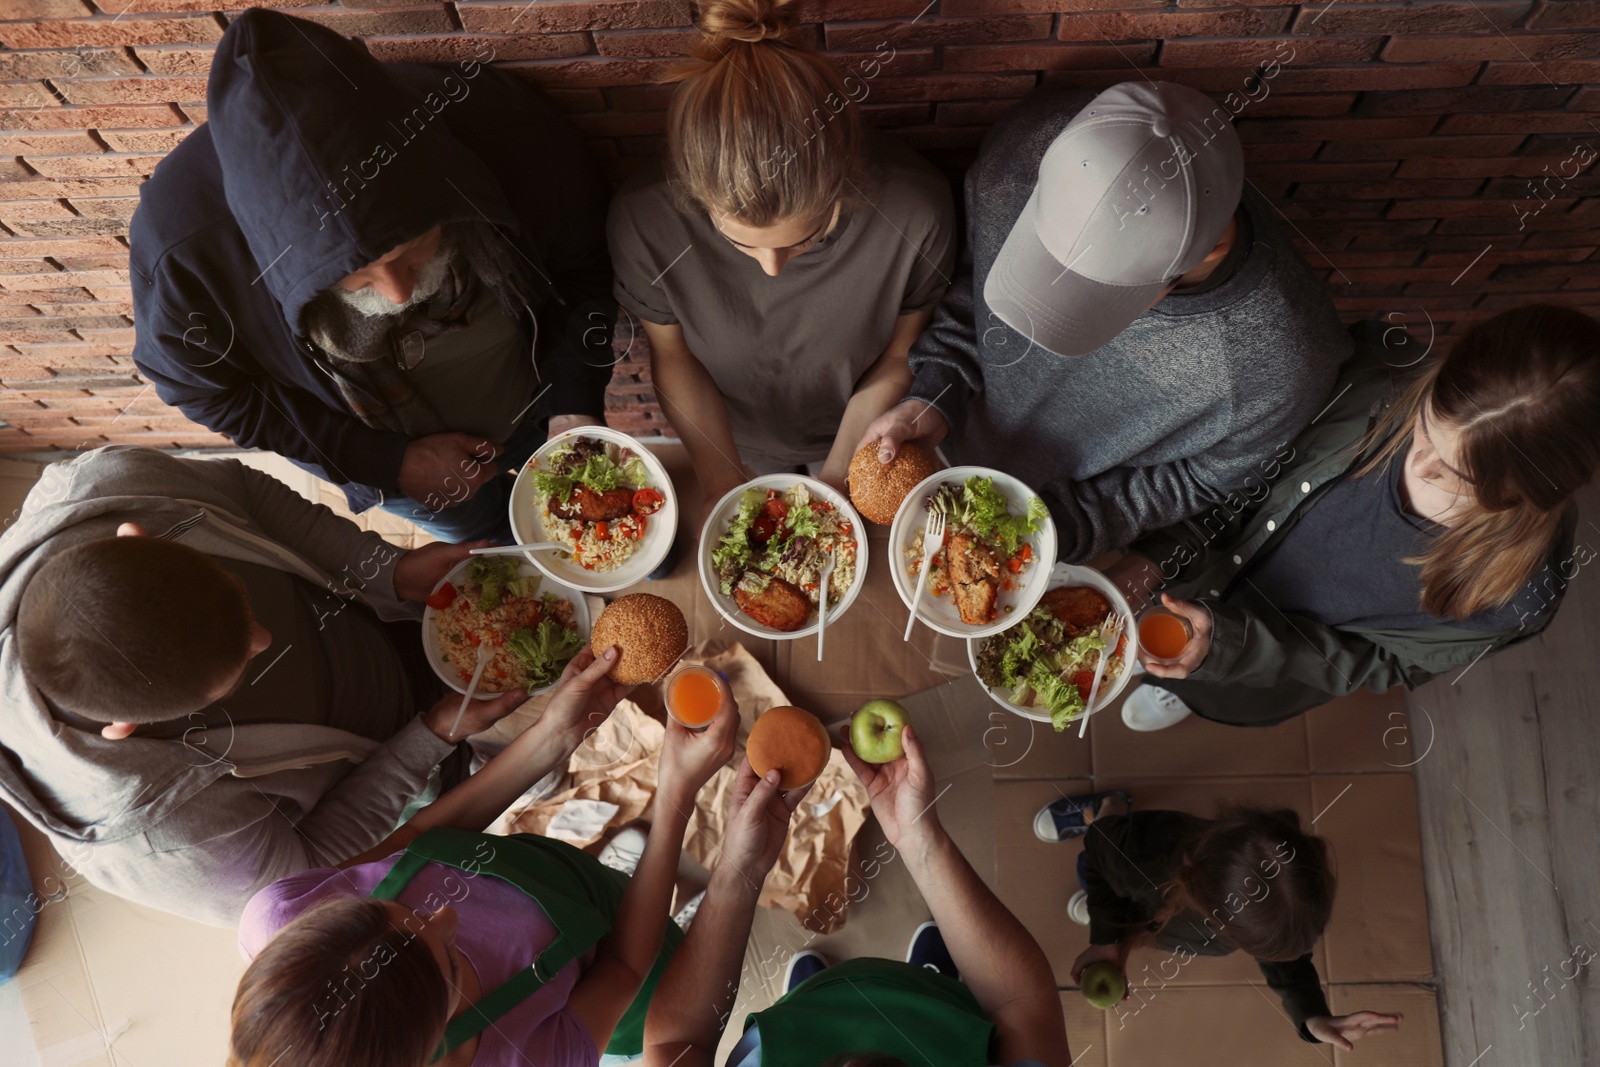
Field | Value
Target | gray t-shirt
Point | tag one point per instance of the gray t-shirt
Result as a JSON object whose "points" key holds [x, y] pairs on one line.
{"points": [[786, 352], [1187, 405], [479, 378]]}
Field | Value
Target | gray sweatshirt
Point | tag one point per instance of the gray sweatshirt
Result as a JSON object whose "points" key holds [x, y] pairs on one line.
{"points": [[196, 825], [1171, 416]]}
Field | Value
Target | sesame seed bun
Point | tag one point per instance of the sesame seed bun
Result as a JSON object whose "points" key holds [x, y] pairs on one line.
{"points": [[878, 489], [793, 741], [649, 633]]}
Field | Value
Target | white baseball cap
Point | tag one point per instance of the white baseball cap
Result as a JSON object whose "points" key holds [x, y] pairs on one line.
{"points": [[1134, 193]]}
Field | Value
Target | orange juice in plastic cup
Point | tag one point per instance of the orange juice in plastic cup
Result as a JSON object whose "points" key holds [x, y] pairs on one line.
{"points": [[1164, 635], [695, 695]]}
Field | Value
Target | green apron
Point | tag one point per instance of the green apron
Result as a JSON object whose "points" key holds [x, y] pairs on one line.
{"points": [[578, 893], [873, 1005]]}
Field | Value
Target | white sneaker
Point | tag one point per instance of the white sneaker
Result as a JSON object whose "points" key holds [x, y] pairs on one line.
{"points": [[1149, 708], [1078, 907], [687, 913], [623, 852]]}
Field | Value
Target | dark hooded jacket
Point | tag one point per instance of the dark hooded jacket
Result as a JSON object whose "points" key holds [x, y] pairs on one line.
{"points": [[316, 161]]}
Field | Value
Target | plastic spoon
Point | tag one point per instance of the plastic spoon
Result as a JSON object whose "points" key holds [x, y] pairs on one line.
{"points": [[822, 609], [485, 654], [1108, 630]]}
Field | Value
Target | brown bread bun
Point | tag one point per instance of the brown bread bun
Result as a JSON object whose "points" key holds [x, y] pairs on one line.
{"points": [[791, 740], [649, 632], [878, 489]]}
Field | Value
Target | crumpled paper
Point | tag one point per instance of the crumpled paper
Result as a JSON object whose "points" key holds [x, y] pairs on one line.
{"points": [[617, 765]]}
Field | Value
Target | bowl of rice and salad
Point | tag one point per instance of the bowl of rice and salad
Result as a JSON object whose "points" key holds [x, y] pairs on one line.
{"points": [[534, 624], [763, 550], [602, 496]]}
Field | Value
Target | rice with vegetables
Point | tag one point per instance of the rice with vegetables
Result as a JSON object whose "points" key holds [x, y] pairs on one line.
{"points": [[595, 499], [533, 634], [772, 555]]}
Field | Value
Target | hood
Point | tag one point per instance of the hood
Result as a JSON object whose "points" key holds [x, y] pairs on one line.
{"points": [[73, 783], [328, 160]]}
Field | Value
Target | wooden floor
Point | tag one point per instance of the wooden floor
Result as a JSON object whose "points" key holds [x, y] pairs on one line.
{"points": [[1508, 791]]}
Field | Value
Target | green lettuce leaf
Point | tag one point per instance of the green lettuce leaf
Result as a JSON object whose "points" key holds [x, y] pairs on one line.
{"points": [[544, 650], [733, 553], [494, 575]]}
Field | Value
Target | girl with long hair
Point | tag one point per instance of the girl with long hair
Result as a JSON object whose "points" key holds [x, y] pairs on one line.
{"points": [[786, 259], [1426, 519]]}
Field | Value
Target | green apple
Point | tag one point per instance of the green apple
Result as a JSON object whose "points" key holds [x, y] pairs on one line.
{"points": [[1103, 984], [875, 731]]}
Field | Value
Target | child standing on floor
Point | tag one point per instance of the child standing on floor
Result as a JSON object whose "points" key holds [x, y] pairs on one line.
{"points": [[1250, 879]]}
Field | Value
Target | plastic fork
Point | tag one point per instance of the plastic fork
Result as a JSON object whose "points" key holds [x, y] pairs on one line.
{"points": [[822, 608], [1108, 632], [485, 654], [932, 541]]}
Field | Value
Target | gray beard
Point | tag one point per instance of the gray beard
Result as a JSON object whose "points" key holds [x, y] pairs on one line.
{"points": [[367, 301]]}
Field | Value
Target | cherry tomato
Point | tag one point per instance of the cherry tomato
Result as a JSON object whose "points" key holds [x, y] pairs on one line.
{"points": [[443, 597], [1014, 565], [647, 501], [473, 638], [638, 528], [764, 528], [775, 509], [1084, 680], [1122, 642], [1026, 553]]}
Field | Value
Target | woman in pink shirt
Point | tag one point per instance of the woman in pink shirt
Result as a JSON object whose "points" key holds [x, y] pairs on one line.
{"points": [[446, 945]]}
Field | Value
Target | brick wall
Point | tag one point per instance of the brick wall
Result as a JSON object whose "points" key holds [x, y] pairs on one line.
{"points": [[1434, 159]]}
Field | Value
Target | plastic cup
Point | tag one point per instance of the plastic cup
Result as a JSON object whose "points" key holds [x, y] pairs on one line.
{"points": [[695, 694], [1164, 636]]}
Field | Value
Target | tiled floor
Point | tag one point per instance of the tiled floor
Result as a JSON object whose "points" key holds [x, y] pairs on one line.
{"points": [[1342, 766]]}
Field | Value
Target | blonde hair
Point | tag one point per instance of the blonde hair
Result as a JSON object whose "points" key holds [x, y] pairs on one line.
{"points": [[761, 128], [1522, 389]]}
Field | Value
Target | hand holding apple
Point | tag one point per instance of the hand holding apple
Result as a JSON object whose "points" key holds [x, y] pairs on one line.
{"points": [[876, 729], [1103, 984], [902, 792]]}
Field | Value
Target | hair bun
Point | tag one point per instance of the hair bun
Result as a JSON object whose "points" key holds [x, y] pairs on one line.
{"points": [[750, 21]]}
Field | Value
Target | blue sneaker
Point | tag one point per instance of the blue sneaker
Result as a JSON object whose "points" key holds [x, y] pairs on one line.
{"points": [[803, 965], [927, 950]]}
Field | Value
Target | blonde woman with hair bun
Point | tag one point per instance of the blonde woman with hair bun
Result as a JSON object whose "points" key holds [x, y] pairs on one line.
{"points": [[785, 257]]}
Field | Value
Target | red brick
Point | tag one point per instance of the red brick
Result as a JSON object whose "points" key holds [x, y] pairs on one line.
{"points": [[571, 100], [1254, 53], [146, 90], [1017, 7], [1488, 167], [1301, 106], [461, 48], [975, 113], [21, 98], [1373, 77], [429, 18], [10, 300], [1347, 129], [1544, 186], [48, 143], [105, 165], [951, 87], [35, 188], [109, 31], [1517, 45], [1470, 98], [1011, 57], [1519, 122], [68, 227], [1351, 19], [1560, 71], [195, 113], [869, 67], [640, 97], [1467, 209], [1384, 190], [1338, 209], [566, 17], [885, 116], [1130, 25], [1275, 153], [865, 35], [148, 141], [18, 247], [566, 73], [1310, 171], [142, 116], [210, 5], [176, 59], [65, 63], [117, 294], [47, 9], [645, 44], [1401, 148], [940, 137], [1566, 15]]}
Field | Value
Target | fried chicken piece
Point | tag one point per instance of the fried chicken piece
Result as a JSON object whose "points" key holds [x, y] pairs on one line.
{"points": [[780, 605], [1080, 608], [974, 577], [590, 506]]}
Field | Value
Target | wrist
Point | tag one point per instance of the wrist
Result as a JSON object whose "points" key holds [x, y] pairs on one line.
{"points": [[728, 882], [921, 842]]}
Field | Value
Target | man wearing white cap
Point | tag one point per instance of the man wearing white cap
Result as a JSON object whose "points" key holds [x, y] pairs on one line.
{"points": [[1126, 333]]}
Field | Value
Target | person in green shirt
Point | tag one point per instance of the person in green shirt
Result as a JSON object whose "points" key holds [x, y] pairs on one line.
{"points": [[1004, 1009]]}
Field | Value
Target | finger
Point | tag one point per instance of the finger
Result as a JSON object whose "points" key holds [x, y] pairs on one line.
{"points": [[743, 784], [764, 790], [577, 664], [863, 770], [916, 755], [793, 797], [592, 672], [1340, 1042], [1195, 613], [1160, 670]]}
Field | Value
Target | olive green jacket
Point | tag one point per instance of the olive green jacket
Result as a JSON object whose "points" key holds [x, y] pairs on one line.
{"points": [[1309, 662]]}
